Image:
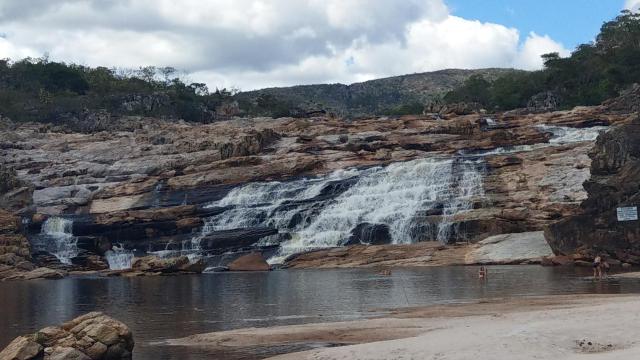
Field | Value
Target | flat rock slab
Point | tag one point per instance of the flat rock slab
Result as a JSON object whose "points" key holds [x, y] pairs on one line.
{"points": [[510, 248]]}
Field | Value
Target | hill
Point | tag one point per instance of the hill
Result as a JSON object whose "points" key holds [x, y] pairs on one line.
{"points": [[393, 95]]}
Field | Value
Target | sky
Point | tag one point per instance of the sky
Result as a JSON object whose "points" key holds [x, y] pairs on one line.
{"points": [[251, 44]]}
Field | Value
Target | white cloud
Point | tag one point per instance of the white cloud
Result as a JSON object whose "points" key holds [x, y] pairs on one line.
{"points": [[633, 5], [535, 45], [259, 43]]}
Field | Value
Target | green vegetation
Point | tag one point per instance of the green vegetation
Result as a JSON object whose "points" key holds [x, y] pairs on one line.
{"points": [[410, 108], [593, 73], [40, 90]]}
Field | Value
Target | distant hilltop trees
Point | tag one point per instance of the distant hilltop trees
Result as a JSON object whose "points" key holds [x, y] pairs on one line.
{"points": [[42, 90], [593, 73]]}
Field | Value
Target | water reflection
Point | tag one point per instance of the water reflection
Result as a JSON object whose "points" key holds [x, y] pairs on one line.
{"points": [[158, 308]]}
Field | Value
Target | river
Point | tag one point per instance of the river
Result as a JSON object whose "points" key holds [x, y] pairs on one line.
{"points": [[159, 308]]}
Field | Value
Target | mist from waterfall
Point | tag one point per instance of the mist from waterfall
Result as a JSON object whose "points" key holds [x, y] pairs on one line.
{"points": [[63, 245]]}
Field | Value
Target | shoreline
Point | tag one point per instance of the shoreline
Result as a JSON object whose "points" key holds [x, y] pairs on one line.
{"points": [[509, 328]]}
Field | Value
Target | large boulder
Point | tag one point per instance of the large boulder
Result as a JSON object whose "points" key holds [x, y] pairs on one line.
{"points": [[93, 336], [155, 264], [544, 101], [250, 262], [22, 348], [615, 174]]}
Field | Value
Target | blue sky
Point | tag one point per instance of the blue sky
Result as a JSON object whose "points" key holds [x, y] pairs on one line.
{"points": [[570, 22]]}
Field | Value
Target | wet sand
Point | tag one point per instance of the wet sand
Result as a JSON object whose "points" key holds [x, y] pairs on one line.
{"points": [[559, 327]]}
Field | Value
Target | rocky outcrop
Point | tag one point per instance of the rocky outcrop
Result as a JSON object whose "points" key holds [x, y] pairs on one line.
{"points": [[151, 185], [615, 173], [250, 262], [543, 102], [93, 336], [627, 102], [154, 264], [517, 248], [510, 249], [428, 253], [15, 252], [369, 234]]}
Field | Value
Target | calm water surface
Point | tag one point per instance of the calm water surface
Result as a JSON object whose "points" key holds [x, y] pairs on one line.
{"points": [[159, 308]]}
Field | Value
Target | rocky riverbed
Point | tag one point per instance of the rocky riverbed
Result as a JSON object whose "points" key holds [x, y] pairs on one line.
{"points": [[176, 188]]}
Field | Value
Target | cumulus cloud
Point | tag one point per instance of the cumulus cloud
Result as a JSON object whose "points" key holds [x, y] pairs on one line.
{"points": [[534, 46], [258, 43], [633, 5]]}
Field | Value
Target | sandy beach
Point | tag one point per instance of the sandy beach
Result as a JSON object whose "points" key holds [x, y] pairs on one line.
{"points": [[553, 327]]}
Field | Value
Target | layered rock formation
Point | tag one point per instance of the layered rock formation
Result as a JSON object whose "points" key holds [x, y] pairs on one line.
{"points": [[93, 336], [157, 185], [615, 174], [15, 253]]}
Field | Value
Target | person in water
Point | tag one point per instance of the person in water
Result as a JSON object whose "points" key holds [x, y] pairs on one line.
{"points": [[597, 267], [482, 273]]}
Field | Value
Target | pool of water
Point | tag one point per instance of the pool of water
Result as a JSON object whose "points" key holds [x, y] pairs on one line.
{"points": [[159, 308]]}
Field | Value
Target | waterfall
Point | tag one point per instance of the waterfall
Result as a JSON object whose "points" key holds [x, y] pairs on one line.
{"points": [[560, 135], [404, 202], [61, 241], [119, 258], [565, 135], [322, 212]]}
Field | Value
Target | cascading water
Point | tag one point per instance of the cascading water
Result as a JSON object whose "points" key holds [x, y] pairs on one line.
{"points": [[560, 135], [415, 201], [119, 258], [60, 240], [565, 135], [322, 212]]}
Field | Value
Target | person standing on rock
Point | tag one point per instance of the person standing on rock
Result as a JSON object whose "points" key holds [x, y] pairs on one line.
{"points": [[597, 267]]}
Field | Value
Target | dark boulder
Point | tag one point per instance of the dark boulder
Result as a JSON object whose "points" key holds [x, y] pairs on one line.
{"points": [[370, 234], [229, 240]]}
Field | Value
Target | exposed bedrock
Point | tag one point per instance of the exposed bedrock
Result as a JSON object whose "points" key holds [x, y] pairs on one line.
{"points": [[615, 175], [297, 183], [93, 336]]}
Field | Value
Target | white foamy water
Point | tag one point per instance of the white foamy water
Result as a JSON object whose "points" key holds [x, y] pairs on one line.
{"points": [[560, 135], [565, 135], [119, 258], [417, 200], [59, 231], [395, 196]]}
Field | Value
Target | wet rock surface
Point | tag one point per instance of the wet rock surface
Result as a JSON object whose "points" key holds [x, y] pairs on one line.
{"points": [[93, 336], [615, 173], [250, 262], [15, 253], [148, 187]]}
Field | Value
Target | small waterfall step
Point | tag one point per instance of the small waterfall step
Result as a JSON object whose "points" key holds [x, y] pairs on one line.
{"points": [[57, 238]]}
